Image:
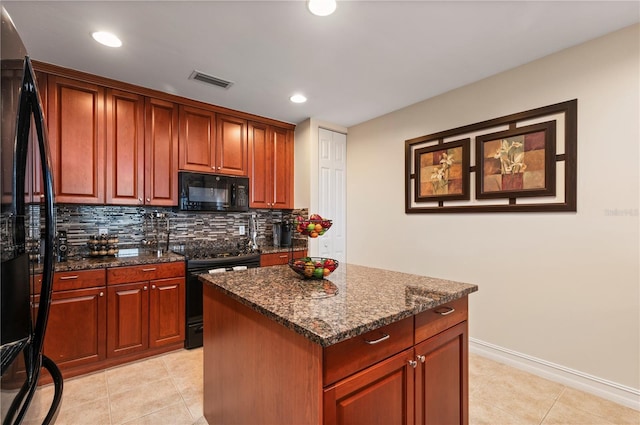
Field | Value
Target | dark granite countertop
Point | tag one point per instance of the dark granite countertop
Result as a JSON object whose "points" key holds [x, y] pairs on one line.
{"points": [[353, 300], [104, 262]]}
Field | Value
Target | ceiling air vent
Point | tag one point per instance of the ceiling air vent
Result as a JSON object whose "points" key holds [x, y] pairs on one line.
{"points": [[210, 79]]}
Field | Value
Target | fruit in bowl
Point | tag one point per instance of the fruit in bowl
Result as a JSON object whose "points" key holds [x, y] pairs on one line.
{"points": [[313, 226], [313, 267]]}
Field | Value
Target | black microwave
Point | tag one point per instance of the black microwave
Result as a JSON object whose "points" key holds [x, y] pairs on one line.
{"points": [[212, 192]]}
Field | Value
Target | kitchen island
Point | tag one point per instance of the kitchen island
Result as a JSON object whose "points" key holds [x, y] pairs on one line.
{"points": [[364, 345]]}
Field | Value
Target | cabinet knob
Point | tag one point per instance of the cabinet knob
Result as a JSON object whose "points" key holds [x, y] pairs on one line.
{"points": [[140, 200], [101, 294], [413, 363], [421, 358], [153, 286], [148, 199], [144, 287]]}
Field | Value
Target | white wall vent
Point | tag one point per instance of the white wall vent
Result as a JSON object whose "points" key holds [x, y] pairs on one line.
{"points": [[210, 79]]}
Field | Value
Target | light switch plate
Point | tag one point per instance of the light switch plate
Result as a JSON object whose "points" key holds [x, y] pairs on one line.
{"points": [[241, 230], [103, 231]]}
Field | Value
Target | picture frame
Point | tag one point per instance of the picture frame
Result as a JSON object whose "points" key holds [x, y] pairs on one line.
{"points": [[518, 162], [442, 171]]}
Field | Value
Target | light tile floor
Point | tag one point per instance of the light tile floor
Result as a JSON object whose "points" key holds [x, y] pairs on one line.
{"points": [[168, 390]]}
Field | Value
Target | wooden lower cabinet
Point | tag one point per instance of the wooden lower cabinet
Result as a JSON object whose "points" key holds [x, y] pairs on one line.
{"points": [[166, 312], [279, 258], [413, 371], [425, 385], [128, 318], [94, 325], [381, 394], [441, 378], [149, 311], [76, 329]]}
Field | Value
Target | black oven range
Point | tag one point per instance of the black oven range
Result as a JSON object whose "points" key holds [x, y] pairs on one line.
{"points": [[202, 258]]}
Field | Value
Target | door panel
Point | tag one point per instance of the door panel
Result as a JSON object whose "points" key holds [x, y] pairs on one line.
{"points": [[125, 148], [382, 394], [441, 381], [128, 318], [161, 153], [167, 315]]}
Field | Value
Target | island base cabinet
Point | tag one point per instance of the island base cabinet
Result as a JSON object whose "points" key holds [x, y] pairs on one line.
{"points": [[381, 394], [441, 378]]}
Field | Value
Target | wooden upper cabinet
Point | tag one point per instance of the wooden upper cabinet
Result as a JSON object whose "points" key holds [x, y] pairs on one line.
{"points": [[77, 140], [282, 162], [125, 148], [197, 139], [270, 166], [212, 143], [231, 145], [161, 152], [260, 179]]}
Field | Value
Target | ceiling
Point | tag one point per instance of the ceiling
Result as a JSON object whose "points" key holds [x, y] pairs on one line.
{"points": [[367, 59]]}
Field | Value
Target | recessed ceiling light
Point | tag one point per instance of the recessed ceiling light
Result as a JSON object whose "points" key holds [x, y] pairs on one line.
{"points": [[106, 38], [321, 7], [298, 98]]}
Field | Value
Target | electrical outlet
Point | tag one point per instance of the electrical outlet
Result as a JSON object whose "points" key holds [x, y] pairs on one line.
{"points": [[241, 230], [103, 231]]}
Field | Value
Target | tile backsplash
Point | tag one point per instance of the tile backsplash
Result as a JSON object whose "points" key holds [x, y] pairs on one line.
{"points": [[128, 223]]}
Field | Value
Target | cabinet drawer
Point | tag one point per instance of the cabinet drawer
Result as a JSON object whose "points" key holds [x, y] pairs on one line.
{"points": [[65, 281], [279, 258], [117, 275], [438, 319], [357, 353]]}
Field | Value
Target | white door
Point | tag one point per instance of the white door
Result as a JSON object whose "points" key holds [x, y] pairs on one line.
{"points": [[332, 147]]}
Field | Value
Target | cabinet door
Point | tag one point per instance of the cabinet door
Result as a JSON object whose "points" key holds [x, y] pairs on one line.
{"points": [[161, 153], [282, 163], [128, 318], [77, 327], [197, 139], [231, 145], [77, 140], [380, 394], [260, 177], [166, 311], [125, 148], [441, 379]]}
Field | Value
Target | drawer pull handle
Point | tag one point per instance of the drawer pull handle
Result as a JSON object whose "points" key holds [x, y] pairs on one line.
{"points": [[421, 358], [384, 337], [151, 269], [68, 277], [282, 256], [443, 311]]}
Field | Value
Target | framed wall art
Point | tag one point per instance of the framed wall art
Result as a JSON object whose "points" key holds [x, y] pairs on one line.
{"points": [[442, 171], [523, 162], [517, 162]]}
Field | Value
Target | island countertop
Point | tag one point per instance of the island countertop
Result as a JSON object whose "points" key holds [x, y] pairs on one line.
{"points": [[351, 301]]}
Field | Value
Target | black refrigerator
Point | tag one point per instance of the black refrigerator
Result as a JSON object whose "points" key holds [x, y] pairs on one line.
{"points": [[26, 234]]}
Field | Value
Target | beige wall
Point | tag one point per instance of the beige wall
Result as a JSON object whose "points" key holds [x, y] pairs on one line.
{"points": [[560, 287]]}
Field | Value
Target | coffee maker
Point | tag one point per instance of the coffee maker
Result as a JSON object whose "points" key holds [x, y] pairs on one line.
{"points": [[282, 234]]}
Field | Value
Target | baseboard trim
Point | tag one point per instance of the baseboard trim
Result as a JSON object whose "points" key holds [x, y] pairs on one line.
{"points": [[618, 393]]}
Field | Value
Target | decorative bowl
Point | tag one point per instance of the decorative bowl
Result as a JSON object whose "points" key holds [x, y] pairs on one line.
{"points": [[313, 227], [313, 267]]}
